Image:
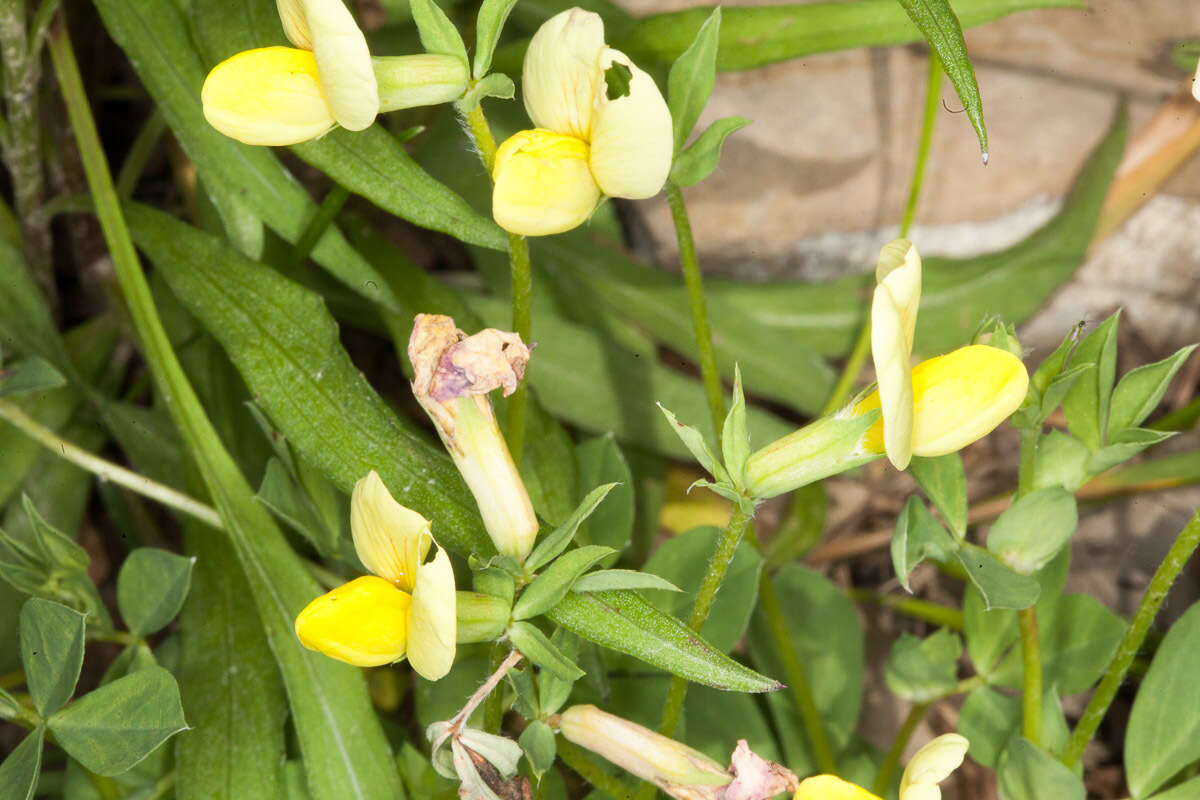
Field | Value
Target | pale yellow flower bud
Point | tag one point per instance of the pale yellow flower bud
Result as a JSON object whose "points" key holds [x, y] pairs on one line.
{"points": [[672, 766], [270, 96], [893, 325], [543, 184], [432, 630], [452, 374], [363, 622], [631, 138], [830, 787], [560, 76], [931, 765], [958, 398], [391, 540]]}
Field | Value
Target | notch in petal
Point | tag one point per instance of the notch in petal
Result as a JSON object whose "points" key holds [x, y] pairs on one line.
{"points": [[391, 540], [269, 96], [363, 622], [433, 623]]}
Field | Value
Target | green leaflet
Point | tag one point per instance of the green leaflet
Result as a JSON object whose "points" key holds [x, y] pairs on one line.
{"points": [[941, 28], [151, 589], [756, 36], [623, 621], [51, 652], [20, 770], [286, 346], [233, 750]]}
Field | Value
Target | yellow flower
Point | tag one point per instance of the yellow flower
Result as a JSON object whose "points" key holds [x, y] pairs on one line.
{"points": [[958, 398], [931, 765], [620, 139], [406, 607], [893, 325]]}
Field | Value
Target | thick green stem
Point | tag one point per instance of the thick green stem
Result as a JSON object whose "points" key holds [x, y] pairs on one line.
{"points": [[106, 470], [1031, 664], [522, 284], [862, 347], [577, 760], [695, 288], [797, 675], [887, 770], [22, 142], [1185, 544], [717, 567]]}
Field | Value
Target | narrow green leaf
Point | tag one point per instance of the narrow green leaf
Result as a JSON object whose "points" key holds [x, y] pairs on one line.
{"points": [[755, 36], [940, 27], [548, 588], [151, 588], [694, 441], [288, 501], [438, 34], [1140, 390], [1182, 791], [230, 686], [57, 549], [1124, 446], [999, 586], [597, 461], [541, 652], [1033, 529], [286, 347], [51, 652], [703, 156], [558, 539], [1027, 772], [27, 321], [735, 439], [607, 579], [19, 772], [116, 726], [918, 536], [33, 374], [691, 78], [1086, 404], [625, 622], [1164, 732], [489, 24], [944, 482]]}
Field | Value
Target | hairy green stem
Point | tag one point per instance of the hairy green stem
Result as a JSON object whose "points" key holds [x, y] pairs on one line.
{"points": [[22, 141], [106, 470], [522, 284], [717, 567], [1031, 665], [891, 761], [862, 347], [695, 289], [576, 759], [1182, 550]]}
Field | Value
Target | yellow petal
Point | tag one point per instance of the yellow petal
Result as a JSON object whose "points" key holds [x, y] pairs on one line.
{"points": [[893, 325], [363, 622], [543, 184], [433, 623], [269, 96], [561, 73], [962, 396], [344, 63], [391, 540], [295, 26], [631, 136], [830, 787], [931, 765]]}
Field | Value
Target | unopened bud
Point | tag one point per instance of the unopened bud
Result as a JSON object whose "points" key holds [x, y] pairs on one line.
{"points": [[453, 373], [828, 446], [677, 769]]}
